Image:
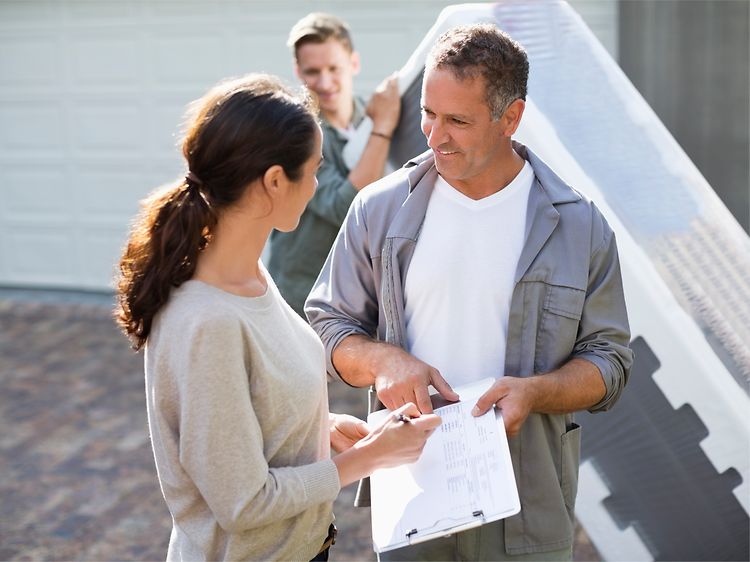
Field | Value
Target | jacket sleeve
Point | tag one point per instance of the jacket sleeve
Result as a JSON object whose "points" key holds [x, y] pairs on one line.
{"points": [[604, 333], [344, 300], [334, 193], [221, 443]]}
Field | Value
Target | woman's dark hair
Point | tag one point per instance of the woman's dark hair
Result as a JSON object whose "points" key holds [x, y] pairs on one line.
{"points": [[234, 133]]}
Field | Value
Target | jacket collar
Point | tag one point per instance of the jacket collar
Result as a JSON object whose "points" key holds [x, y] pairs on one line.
{"points": [[547, 192], [542, 217], [408, 220], [556, 189]]}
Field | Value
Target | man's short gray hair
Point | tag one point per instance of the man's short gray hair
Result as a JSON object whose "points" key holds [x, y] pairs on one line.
{"points": [[483, 50]]}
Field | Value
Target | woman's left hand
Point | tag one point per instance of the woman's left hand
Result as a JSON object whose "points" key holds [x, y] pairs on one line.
{"points": [[346, 430]]}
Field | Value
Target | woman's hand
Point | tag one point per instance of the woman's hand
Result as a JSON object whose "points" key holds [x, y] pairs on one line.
{"points": [[398, 439], [346, 430], [395, 442]]}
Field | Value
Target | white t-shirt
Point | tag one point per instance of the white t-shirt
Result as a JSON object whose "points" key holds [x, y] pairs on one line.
{"points": [[461, 278]]}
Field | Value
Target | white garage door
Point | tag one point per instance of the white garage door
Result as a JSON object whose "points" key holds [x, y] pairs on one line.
{"points": [[91, 93]]}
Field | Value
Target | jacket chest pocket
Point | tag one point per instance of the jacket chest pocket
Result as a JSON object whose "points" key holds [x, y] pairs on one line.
{"points": [[558, 326]]}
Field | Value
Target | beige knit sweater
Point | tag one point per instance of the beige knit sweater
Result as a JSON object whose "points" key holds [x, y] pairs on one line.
{"points": [[238, 414]]}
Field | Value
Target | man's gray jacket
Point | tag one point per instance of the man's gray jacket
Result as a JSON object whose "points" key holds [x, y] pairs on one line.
{"points": [[567, 303]]}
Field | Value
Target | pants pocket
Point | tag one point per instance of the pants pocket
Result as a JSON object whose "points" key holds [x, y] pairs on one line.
{"points": [[571, 457]]}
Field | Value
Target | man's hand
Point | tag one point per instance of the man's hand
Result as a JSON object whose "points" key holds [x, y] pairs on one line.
{"points": [[514, 396], [402, 378], [577, 385], [346, 430], [384, 107]]}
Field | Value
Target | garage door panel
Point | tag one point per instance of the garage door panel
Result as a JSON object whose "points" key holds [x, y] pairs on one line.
{"points": [[392, 45], [29, 59], [263, 51], [40, 255], [38, 195], [31, 126], [109, 196], [17, 13], [163, 170], [164, 125], [50, 256], [179, 12], [192, 58], [97, 266], [88, 13], [105, 60], [107, 125]]}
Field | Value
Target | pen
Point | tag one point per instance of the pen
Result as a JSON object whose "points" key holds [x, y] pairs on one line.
{"points": [[403, 418]]}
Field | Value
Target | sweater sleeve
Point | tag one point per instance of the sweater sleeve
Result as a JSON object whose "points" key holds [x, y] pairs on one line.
{"points": [[220, 440]]}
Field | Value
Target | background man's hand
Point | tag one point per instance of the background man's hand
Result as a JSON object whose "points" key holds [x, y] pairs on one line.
{"points": [[514, 396], [384, 107], [402, 378]]}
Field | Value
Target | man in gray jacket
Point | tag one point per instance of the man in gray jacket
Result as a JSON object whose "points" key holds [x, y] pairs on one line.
{"points": [[476, 260]]}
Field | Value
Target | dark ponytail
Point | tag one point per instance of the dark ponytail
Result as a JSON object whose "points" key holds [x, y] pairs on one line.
{"points": [[235, 133]]}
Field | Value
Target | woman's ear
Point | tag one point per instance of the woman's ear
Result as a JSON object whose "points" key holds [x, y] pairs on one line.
{"points": [[274, 180]]}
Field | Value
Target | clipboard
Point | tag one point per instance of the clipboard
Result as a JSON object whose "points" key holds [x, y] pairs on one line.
{"points": [[463, 479]]}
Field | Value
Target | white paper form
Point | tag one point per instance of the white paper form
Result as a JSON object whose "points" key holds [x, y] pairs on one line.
{"points": [[463, 479]]}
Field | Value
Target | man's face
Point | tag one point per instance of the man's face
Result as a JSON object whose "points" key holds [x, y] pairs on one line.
{"points": [[328, 70], [460, 130]]}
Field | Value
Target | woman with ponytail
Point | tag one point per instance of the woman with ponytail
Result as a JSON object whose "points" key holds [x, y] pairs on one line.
{"points": [[235, 379]]}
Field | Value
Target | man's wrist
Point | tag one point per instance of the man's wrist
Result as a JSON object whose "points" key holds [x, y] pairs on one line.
{"points": [[355, 359], [535, 390]]}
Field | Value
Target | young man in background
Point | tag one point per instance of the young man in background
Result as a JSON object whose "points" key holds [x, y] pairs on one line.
{"points": [[326, 62]]}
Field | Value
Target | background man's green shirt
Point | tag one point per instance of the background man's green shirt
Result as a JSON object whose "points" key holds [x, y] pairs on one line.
{"points": [[297, 256]]}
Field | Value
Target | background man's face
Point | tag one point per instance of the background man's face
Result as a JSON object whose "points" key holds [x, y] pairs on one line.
{"points": [[328, 70], [460, 130]]}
